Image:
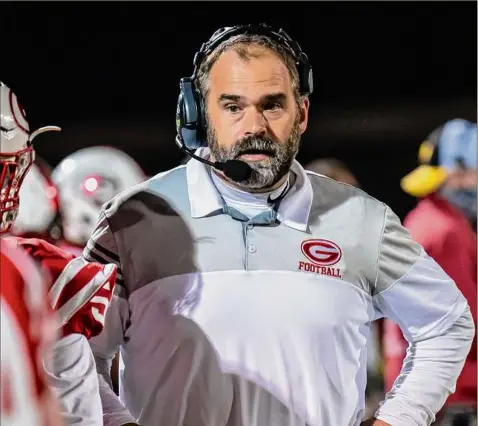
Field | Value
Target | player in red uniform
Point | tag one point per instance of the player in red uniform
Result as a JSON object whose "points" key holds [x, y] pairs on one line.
{"points": [[442, 223], [27, 330], [78, 291], [85, 180]]}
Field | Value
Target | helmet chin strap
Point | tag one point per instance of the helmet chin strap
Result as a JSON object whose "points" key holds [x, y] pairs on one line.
{"points": [[43, 130]]}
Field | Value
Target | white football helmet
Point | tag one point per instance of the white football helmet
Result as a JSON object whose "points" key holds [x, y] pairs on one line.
{"points": [[39, 204], [16, 154], [86, 180]]}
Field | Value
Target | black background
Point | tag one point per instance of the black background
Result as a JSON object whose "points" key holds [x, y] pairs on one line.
{"points": [[386, 74]]}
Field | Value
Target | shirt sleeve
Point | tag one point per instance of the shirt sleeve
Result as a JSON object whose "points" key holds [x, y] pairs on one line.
{"points": [[102, 248], [71, 373], [79, 291], [413, 291]]}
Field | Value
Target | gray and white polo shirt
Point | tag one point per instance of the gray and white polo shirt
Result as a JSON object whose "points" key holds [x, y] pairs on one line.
{"points": [[228, 321]]}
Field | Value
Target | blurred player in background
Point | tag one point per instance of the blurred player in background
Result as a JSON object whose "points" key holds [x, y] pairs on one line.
{"points": [[38, 214], [445, 182], [374, 393], [334, 169], [35, 274], [86, 180]]}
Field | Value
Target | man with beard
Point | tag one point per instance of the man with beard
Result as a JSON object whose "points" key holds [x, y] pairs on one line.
{"points": [[247, 286]]}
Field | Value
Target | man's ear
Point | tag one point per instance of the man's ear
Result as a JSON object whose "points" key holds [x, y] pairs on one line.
{"points": [[304, 114]]}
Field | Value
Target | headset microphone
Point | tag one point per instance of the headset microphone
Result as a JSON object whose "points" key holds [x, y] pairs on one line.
{"points": [[236, 170]]}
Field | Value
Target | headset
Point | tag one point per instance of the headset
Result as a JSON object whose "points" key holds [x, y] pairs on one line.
{"points": [[190, 115]]}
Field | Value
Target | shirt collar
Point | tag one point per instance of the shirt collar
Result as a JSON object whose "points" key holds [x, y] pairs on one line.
{"points": [[294, 210], [204, 198]]}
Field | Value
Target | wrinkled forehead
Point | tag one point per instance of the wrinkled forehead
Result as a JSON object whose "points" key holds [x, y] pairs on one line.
{"points": [[251, 73]]}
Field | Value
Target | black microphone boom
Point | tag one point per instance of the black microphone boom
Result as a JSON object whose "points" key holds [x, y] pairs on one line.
{"points": [[236, 170]]}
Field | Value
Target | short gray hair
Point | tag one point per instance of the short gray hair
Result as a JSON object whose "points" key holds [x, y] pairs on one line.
{"points": [[242, 44]]}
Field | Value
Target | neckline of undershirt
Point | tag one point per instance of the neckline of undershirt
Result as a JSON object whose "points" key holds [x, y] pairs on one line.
{"points": [[241, 197]]}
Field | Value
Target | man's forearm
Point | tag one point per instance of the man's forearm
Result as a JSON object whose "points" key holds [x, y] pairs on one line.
{"points": [[72, 376], [428, 376], [374, 422], [114, 412]]}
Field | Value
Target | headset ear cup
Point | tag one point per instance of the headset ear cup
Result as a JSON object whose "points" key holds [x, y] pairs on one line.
{"points": [[189, 115], [182, 130], [179, 115], [305, 78], [202, 126], [201, 119]]}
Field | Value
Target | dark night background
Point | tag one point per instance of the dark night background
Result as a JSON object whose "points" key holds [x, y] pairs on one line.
{"points": [[386, 74]]}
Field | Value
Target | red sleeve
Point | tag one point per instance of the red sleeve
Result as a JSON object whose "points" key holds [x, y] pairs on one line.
{"points": [[51, 259], [427, 234], [80, 291], [27, 332], [460, 264], [454, 249]]}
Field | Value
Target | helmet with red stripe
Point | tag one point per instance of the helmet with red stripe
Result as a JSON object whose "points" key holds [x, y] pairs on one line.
{"points": [[86, 180], [16, 154]]}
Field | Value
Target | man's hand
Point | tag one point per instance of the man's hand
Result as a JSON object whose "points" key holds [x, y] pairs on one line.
{"points": [[374, 422]]}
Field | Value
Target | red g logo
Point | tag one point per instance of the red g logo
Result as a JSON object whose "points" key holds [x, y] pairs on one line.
{"points": [[321, 252]]}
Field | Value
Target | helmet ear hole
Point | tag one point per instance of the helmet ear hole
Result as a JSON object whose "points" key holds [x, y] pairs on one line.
{"points": [[86, 219]]}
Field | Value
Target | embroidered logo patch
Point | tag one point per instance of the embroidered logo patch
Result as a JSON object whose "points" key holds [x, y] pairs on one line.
{"points": [[322, 254]]}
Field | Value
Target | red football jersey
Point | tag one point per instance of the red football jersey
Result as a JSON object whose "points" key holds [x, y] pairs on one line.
{"points": [[79, 291], [27, 331]]}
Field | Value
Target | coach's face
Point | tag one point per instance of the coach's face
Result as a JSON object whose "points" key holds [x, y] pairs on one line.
{"points": [[253, 115]]}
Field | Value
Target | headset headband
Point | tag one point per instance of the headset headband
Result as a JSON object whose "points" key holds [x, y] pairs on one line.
{"points": [[279, 36]]}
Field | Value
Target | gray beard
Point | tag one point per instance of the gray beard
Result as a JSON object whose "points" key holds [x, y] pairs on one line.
{"points": [[266, 173]]}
